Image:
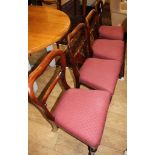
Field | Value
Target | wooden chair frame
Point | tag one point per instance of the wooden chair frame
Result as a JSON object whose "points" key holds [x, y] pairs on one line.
{"points": [[91, 22], [78, 57], [41, 103]]}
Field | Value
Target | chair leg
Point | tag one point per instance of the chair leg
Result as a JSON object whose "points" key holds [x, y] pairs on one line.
{"points": [[54, 126], [77, 85], [121, 75], [110, 99], [77, 82], [91, 150]]}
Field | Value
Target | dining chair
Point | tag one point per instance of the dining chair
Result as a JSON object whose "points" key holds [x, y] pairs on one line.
{"points": [[109, 32], [104, 48], [100, 74], [79, 112]]}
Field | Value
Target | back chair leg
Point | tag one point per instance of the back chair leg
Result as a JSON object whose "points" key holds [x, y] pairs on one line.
{"points": [[77, 82], [77, 85], [91, 150], [121, 75]]}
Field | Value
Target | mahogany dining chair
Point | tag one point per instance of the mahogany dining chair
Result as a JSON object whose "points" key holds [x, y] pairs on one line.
{"points": [[95, 73], [79, 112], [104, 48]]}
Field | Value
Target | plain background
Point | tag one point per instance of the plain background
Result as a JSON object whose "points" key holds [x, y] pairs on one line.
{"points": [[14, 77]]}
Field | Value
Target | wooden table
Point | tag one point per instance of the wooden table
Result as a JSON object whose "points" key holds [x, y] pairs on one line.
{"points": [[45, 27]]}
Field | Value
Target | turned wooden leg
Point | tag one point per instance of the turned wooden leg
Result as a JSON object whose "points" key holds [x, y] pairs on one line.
{"points": [[91, 150]]}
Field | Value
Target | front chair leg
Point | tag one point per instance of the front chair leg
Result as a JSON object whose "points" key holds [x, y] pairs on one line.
{"points": [[91, 150], [77, 83], [121, 75], [54, 126]]}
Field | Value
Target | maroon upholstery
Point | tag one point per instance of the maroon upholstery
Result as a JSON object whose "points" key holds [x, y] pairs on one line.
{"points": [[100, 74], [111, 32], [108, 49], [82, 113]]}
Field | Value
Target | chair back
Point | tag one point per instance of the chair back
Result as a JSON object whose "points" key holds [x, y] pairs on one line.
{"points": [[92, 25], [40, 102], [99, 10], [78, 47]]}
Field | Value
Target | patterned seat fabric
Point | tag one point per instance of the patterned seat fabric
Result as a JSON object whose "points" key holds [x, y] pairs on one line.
{"points": [[100, 74], [82, 113], [108, 49], [111, 32]]}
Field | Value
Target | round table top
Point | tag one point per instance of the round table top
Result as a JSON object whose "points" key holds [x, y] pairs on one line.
{"points": [[45, 27]]}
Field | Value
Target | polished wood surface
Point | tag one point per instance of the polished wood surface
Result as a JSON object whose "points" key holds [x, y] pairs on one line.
{"points": [[45, 27]]}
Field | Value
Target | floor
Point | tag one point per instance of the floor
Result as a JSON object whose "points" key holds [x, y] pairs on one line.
{"points": [[42, 141]]}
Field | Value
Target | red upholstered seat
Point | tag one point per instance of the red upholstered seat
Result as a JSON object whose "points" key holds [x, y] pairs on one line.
{"points": [[100, 73], [108, 49], [111, 32], [82, 113]]}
